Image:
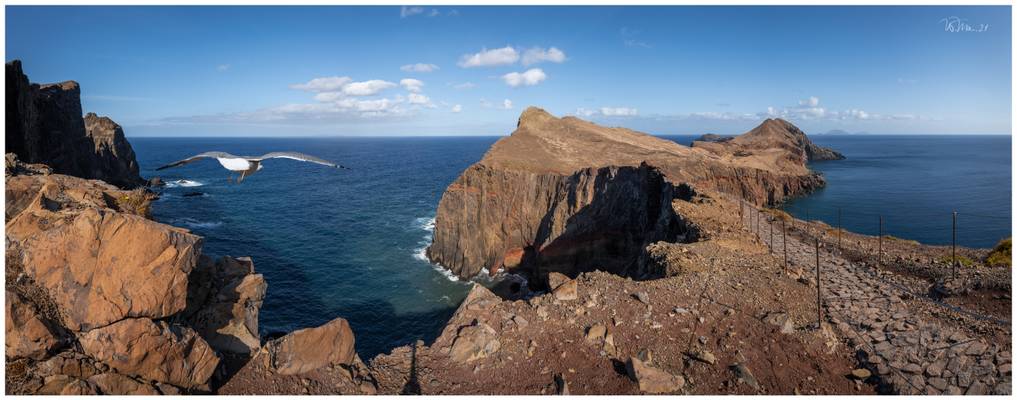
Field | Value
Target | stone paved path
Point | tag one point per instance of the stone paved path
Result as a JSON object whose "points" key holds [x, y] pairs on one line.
{"points": [[909, 352]]}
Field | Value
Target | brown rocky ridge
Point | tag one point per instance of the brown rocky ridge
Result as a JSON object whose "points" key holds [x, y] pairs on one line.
{"points": [[562, 193]]}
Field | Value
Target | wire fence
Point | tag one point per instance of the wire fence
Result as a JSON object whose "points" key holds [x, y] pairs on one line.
{"points": [[834, 242]]}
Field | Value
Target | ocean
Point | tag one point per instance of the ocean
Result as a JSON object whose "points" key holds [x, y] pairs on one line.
{"points": [[349, 243]]}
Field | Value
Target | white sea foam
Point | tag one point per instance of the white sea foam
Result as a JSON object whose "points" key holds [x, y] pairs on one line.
{"points": [[183, 183], [427, 224], [195, 224]]}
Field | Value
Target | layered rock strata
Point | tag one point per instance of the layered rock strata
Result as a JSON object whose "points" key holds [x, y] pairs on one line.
{"points": [[567, 195]]}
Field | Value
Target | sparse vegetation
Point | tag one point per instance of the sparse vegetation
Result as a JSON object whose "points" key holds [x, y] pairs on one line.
{"points": [[779, 214], [137, 201], [897, 239], [1000, 255], [961, 260]]}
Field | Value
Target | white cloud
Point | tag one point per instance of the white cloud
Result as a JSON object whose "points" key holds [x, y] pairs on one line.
{"points": [[607, 112], [410, 11], [222, 67], [366, 88], [419, 67], [489, 58], [326, 84], [412, 85], [811, 102], [457, 108], [417, 98], [531, 77], [506, 104], [618, 111], [537, 54], [464, 86]]}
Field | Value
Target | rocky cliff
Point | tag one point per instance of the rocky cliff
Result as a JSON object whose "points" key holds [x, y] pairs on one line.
{"points": [[101, 299], [773, 135], [567, 195], [45, 125]]}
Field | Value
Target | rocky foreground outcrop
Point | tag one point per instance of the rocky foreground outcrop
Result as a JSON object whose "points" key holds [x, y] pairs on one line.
{"points": [[101, 299], [45, 125], [567, 195]]}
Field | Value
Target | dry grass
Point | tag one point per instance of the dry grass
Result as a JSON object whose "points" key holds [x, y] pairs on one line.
{"points": [[899, 240], [137, 201], [961, 260], [1001, 255], [779, 214]]}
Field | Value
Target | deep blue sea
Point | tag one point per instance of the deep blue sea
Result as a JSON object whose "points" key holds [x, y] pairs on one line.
{"points": [[350, 243]]}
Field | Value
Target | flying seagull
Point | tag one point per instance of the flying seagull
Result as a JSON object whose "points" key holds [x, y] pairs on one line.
{"points": [[247, 165]]}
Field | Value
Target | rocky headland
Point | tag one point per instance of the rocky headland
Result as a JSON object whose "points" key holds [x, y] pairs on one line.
{"points": [[650, 263], [566, 195]]}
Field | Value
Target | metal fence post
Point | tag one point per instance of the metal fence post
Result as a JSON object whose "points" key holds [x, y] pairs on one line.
{"points": [[783, 229], [771, 233], [839, 229], [879, 257], [819, 305], [953, 246]]}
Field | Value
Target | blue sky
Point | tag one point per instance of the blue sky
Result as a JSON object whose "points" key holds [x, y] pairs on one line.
{"points": [[235, 71]]}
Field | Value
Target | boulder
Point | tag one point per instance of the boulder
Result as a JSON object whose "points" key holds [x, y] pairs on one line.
{"points": [[474, 342], [112, 383], [28, 334], [652, 380], [98, 265], [66, 385], [224, 300], [308, 349], [152, 350]]}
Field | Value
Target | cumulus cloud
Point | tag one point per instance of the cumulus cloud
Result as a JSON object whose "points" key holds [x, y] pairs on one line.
{"points": [[366, 88], [325, 84], [419, 67], [607, 112], [531, 77], [412, 85], [417, 98], [618, 111], [537, 54], [406, 11], [489, 58], [457, 108], [506, 104]]}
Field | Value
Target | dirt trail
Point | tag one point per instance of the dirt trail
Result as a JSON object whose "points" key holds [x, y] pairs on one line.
{"points": [[912, 345]]}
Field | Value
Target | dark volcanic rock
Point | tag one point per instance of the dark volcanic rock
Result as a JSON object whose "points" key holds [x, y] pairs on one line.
{"points": [[566, 195], [712, 137], [45, 125]]}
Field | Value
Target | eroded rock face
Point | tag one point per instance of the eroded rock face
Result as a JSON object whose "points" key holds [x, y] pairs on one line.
{"points": [[225, 298], [28, 334], [565, 195], [45, 125], [102, 266], [152, 350], [309, 349]]}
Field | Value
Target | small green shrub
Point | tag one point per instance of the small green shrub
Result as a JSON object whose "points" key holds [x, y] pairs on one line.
{"points": [[897, 239], [961, 260], [1001, 254]]}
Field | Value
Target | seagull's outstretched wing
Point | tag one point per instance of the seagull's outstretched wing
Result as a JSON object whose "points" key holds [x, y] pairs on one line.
{"points": [[297, 156], [209, 154]]}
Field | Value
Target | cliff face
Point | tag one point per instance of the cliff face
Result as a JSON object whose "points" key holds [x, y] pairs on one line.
{"points": [[45, 125], [567, 195]]}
